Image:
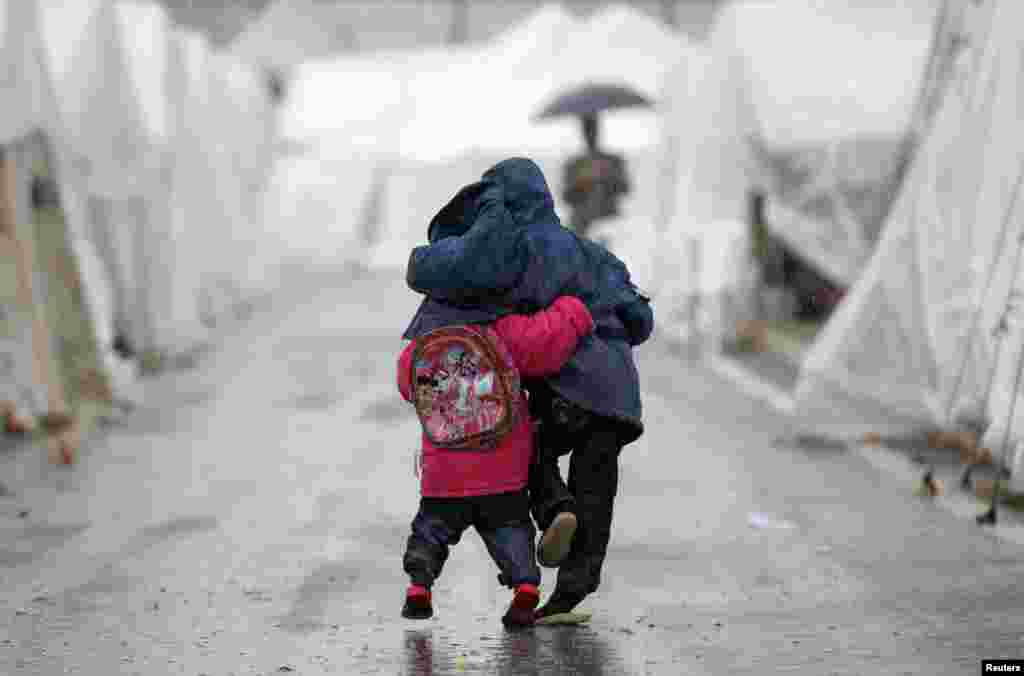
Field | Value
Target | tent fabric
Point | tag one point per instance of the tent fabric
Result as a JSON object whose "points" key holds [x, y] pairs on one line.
{"points": [[33, 128], [286, 34], [161, 153], [919, 333], [22, 80], [98, 100], [816, 121], [707, 118], [249, 156], [106, 62], [195, 259], [404, 99], [289, 33], [420, 147]]}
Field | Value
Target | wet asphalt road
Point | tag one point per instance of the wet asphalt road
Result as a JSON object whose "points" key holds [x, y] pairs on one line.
{"points": [[250, 519]]}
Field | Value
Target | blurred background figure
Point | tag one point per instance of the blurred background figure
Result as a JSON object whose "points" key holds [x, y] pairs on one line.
{"points": [[594, 181]]}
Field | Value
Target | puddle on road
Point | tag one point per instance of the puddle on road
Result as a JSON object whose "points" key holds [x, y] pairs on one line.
{"points": [[541, 650]]}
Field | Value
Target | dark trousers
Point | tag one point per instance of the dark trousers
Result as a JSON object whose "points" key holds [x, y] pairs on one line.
{"points": [[503, 522], [595, 444]]}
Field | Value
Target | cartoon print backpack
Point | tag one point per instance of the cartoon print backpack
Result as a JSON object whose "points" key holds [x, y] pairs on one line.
{"points": [[466, 387]]}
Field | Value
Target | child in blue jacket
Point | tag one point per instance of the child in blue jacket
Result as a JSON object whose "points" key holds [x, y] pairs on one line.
{"points": [[499, 248]]}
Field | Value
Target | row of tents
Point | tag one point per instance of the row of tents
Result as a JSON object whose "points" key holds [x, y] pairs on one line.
{"points": [[881, 134], [157, 150], [380, 141], [932, 330]]}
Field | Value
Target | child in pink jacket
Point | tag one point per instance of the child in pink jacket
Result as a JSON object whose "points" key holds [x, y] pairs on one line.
{"points": [[487, 489]]}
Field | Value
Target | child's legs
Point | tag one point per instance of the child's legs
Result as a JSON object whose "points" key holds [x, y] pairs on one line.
{"points": [[558, 426], [503, 522], [549, 494], [594, 480], [437, 526]]}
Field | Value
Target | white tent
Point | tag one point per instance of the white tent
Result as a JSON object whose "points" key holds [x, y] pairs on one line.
{"points": [[241, 117], [250, 126], [915, 344], [522, 69], [24, 87], [111, 120], [23, 92], [34, 125], [403, 131], [289, 33], [809, 102], [512, 78], [202, 268], [703, 244]]}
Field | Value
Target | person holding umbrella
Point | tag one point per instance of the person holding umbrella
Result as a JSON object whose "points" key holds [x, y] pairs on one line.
{"points": [[595, 181]]}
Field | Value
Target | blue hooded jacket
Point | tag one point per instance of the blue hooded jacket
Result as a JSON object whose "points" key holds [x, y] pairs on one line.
{"points": [[498, 247]]}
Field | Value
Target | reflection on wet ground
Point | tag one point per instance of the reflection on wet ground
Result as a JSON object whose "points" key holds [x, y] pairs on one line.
{"points": [[541, 650]]}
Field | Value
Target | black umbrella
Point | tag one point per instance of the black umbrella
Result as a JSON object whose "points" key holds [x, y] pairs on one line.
{"points": [[593, 98]]}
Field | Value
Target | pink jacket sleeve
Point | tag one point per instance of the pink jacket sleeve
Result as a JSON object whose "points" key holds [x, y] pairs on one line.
{"points": [[404, 364], [541, 343]]}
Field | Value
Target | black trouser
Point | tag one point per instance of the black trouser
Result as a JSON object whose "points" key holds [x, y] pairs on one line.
{"points": [[503, 522], [595, 444]]}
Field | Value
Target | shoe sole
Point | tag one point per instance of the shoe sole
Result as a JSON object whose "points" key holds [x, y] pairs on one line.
{"points": [[572, 617], [557, 540]]}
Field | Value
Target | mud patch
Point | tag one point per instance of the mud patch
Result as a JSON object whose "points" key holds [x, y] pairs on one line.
{"points": [[35, 540], [315, 401], [59, 532], [387, 410], [180, 526], [148, 421], [190, 399], [390, 536], [812, 444], [97, 594], [9, 558]]}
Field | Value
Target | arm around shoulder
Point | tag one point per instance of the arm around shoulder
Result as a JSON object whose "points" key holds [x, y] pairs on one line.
{"points": [[541, 343]]}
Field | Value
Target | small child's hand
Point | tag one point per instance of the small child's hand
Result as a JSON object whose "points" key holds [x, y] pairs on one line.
{"points": [[577, 313]]}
